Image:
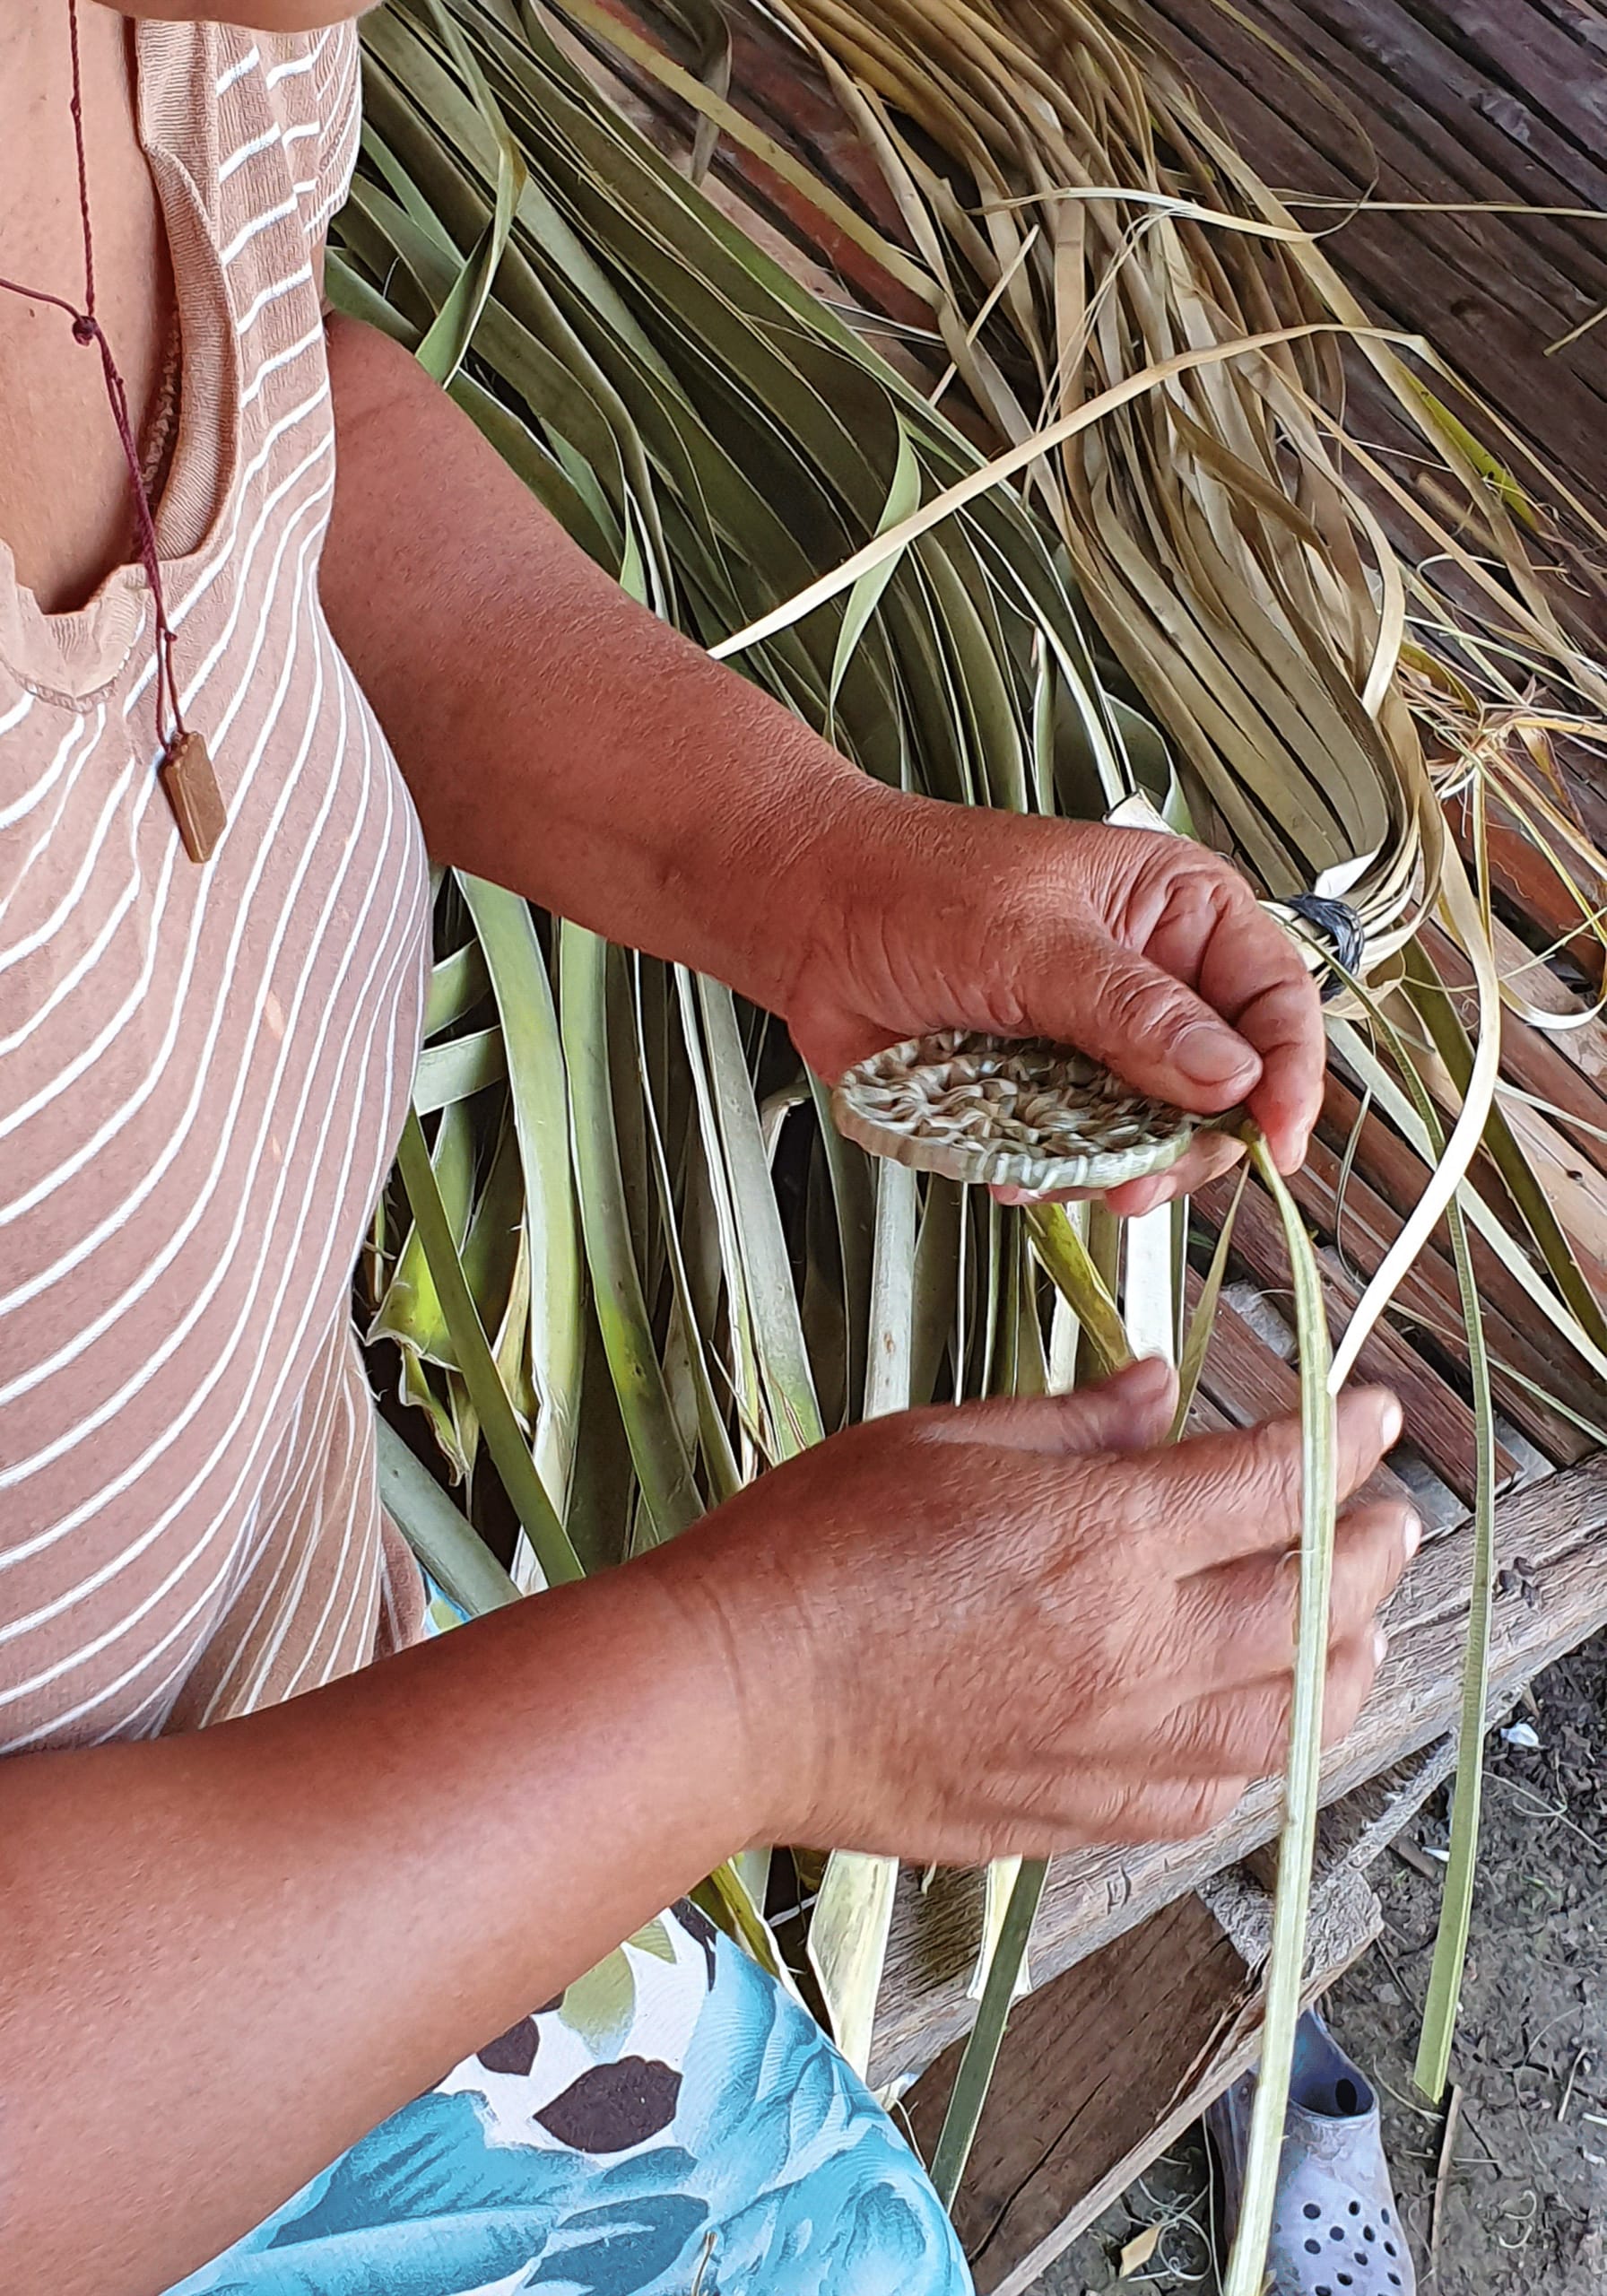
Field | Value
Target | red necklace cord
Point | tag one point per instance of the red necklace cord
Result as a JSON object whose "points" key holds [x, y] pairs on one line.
{"points": [[86, 329]]}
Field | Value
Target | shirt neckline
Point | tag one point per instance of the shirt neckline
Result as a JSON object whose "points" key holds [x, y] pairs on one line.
{"points": [[71, 657]]}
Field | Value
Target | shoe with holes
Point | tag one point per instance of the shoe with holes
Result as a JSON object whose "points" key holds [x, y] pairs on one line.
{"points": [[1336, 2231]]}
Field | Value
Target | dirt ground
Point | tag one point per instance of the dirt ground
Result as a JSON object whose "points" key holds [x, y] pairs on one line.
{"points": [[1523, 2201]]}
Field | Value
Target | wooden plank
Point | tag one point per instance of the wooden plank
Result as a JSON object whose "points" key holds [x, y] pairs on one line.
{"points": [[1148, 2009], [1429, 117], [1431, 137], [1384, 1159], [1520, 873], [1439, 1423], [1585, 1045], [1571, 1191], [1241, 1373], [1479, 287], [1236, 2051], [1530, 1058], [1363, 1227], [1582, 18], [1171, 2015], [1552, 1529], [1546, 274], [1470, 117], [1542, 64], [1247, 1382]]}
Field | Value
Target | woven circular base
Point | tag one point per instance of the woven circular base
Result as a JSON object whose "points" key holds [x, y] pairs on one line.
{"points": [[1011, 1113]]}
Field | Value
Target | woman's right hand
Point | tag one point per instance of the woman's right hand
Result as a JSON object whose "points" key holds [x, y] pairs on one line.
{"points": [[1020, 1626]]}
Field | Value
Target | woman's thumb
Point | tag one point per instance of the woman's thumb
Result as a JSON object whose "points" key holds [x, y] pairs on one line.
{"points": [[1154, 1033]]}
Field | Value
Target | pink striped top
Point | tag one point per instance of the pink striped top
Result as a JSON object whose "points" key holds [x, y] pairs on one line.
{"points": [[202, 1070]]}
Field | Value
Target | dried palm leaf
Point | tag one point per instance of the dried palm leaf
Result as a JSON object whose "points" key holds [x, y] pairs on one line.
{"points": [[1155, 344]]}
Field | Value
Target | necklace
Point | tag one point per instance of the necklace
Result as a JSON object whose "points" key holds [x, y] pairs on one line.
{"points": [[184, 765]]}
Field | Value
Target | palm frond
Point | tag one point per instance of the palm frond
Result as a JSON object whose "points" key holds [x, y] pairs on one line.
{"points": [[1097, 543]]}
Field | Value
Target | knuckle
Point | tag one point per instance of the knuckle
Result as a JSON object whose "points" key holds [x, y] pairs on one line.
{"points": [[1130, 1644], [1244, 1615], [1275, 1731], [1252, 1476], [1202, 872], [1206, 1612], [1267, 1475], [1131, 1003], [1372, 1556], [1260, 1730], [1350, 1683], [1270, 1609], [1204, 1802], [1127, 1498], [1107, 1808]]}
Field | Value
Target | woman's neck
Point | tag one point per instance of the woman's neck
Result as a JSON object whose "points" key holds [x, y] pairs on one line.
{"points": [[64, 486]]}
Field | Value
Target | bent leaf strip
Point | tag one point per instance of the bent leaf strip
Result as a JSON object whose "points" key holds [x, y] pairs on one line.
{"points": [[560, 1563]]}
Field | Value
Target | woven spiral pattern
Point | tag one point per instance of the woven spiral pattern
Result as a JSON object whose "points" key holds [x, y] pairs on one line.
{"points": [[1010, 1113]]}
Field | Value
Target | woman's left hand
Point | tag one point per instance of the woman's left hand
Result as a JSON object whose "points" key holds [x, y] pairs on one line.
{"points": [[1144, 950]]}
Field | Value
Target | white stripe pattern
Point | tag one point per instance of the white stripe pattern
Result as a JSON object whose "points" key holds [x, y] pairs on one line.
{"points": [[202, 1070]]}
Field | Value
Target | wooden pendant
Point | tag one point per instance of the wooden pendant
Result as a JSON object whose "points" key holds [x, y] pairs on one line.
{"points": [[193, 792]]}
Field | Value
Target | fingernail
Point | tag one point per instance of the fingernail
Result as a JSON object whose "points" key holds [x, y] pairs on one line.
{"points": [[1413, 1535], [1391, 1421], [1380, 1644], [1209, 1055]]}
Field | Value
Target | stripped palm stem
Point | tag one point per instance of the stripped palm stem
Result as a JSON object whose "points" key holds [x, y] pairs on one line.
{"points": [[1462, 914], [1067, 1260], [854, 1911], [447, 1543], [1192, 1361], [1456, 1900], [1081, 1284], [1070, 1268], [981, 2053], [1286, 1962]]}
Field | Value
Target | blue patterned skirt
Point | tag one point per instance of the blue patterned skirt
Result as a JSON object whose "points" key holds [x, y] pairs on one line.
{"points": [[674, 2125]]}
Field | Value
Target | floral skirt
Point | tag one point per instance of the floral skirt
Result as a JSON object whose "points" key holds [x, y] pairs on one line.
{"points": [[673, 2125]]}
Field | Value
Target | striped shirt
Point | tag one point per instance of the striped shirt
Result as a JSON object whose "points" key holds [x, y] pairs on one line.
{"points": [[202, 1070]]}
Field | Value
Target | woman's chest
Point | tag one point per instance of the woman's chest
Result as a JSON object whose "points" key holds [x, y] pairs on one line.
{"points": [[201, 1076], [65, 504]]}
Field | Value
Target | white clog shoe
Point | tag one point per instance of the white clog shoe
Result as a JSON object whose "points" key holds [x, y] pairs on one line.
{"points": [[1336, 2231]]}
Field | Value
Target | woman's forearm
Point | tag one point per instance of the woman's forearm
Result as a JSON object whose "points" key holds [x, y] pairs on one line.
{"points": [[556, 737], [227, 1955]]}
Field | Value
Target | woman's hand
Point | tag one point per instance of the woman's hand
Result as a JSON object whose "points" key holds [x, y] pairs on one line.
{"points": [[1144, 950], [1011, 1627], [670, 805]]}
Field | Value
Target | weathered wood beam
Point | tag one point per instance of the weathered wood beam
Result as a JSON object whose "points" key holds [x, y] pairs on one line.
{"points": [[1553, 1594]]}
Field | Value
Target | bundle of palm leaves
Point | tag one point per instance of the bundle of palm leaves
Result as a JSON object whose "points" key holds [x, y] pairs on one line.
{"points": [[626, 1262]]}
